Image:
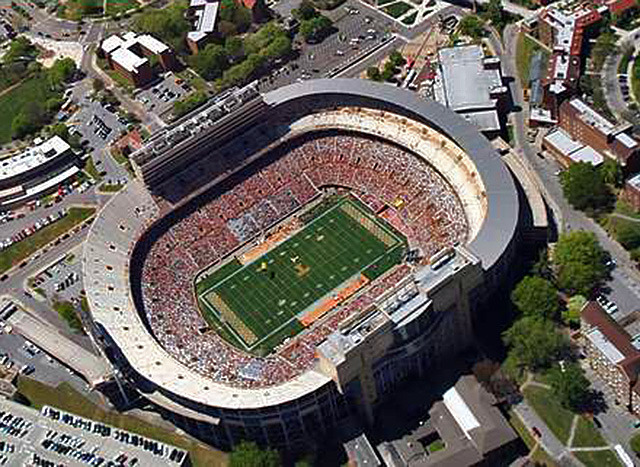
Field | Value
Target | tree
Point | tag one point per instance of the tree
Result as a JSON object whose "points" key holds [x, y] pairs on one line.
{"points": [[534, 343], [389, 71], [248, 454], [211, 62], [61, 130], [279, 47], [611, 172], [570, 387], [98, 85], [235, 13], [61, 71], [168, 24], [494, 13], [315, 29], [627, 233], [535, 296], [397, 59], [234, 48], [571, 315], [635, 444], [584, 187], [305, 11], [373, 73], [472, 26], [579, 262]]}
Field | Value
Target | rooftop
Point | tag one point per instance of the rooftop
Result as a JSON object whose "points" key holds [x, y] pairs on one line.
{"points": [[119, 48], [127, 59], [467, 83], [592, 117], [33, 157], [468, 423], [206, 12], [634, 181]]}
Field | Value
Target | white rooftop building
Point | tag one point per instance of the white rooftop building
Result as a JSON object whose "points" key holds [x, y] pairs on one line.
{"points": [[470, 84]]}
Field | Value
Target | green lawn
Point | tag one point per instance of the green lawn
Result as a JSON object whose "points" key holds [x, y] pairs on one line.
{"points": [[635, 78], [437, 445], [587, 435], [557, 418], [397, 9], [21, 250], [598, 458], [526, 48], [11, 103], [262, 300], [626, 209], [66, 398], [110, 187], [91, 169], [115, 7], [409, 20]]}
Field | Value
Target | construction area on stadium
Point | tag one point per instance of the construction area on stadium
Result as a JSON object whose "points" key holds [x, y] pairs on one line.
{"points": [[298, 272]]}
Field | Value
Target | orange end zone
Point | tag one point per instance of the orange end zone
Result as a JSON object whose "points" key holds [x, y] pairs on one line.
{"points": [[339, 295]]}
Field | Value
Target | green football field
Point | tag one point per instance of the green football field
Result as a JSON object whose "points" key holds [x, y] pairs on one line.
{"points": [[257, 305]]}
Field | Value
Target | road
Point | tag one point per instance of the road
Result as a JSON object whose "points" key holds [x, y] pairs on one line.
{"points": [[611, 84]]}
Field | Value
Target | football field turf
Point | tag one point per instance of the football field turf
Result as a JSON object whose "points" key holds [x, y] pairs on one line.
{"points": [[259, 304]]}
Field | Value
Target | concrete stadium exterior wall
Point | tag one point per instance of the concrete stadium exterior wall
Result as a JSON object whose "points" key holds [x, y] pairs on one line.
{"points": [[273, 415]]}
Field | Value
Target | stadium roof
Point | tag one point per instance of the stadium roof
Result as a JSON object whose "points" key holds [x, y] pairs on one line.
{"points": [[114, 234]]}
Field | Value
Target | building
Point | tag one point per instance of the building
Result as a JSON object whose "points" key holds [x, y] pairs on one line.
{"points": [[132, 56], [36, 171], [471, 85], [468, 426], [612, 353], [631, 191], [567, 150], [203, 15], [55, 437], [586, 125], [563, 31], [329, 373], [562, 27]]}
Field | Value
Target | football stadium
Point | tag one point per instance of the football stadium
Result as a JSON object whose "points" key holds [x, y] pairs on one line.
{"points": [[285, 260]]}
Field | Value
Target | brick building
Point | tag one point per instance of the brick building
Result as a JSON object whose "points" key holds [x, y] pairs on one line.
{"points": [[611, 353], [631, 191], [589, 127], [130, 55]]}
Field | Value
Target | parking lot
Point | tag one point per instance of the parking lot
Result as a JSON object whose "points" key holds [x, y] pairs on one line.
{"points": [[99, 125], [358, 31], [160, 97], [61, 280], [17, 352]]}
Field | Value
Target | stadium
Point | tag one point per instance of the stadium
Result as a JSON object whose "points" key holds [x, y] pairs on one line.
{"points": [[286, 259]]}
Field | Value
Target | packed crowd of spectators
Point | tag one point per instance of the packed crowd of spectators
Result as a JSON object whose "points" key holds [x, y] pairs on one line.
{"points": [[389, 179]]}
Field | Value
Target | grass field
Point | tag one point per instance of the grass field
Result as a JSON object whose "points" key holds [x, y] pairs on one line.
{"points": [[66, 398], [526, 48], [605, 458], [557, 418], [12, 103], [21, 250], [397, 9], [259, 304], [587, 435]]}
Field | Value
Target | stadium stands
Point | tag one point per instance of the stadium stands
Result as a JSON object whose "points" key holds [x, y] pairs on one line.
{"points": [[387, 177]]}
